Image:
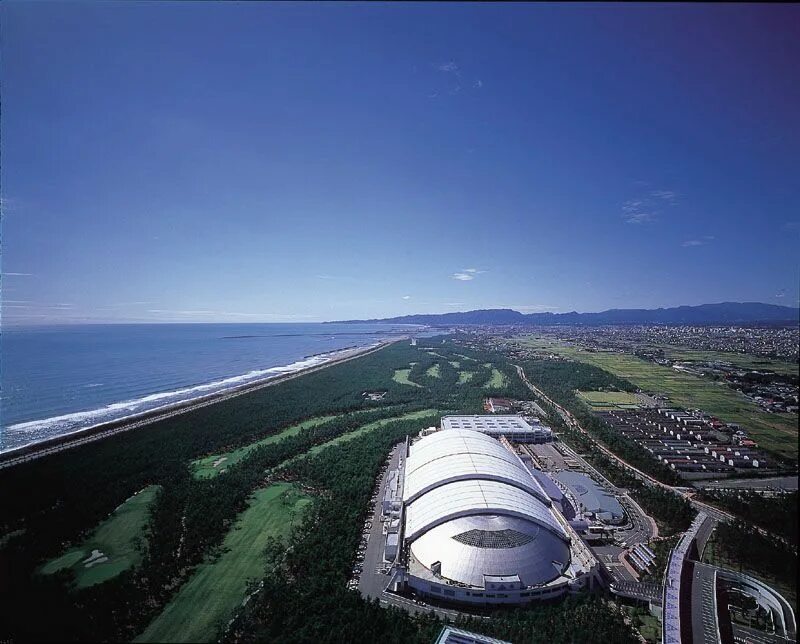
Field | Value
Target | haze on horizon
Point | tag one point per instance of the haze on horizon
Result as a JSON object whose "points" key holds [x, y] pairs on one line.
{"points": [[209, 162]]}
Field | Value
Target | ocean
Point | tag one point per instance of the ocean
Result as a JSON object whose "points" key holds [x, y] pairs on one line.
{"points": [[58, 380]]}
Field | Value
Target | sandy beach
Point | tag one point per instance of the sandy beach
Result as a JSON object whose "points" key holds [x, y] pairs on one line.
{"points": [[103, 430]]}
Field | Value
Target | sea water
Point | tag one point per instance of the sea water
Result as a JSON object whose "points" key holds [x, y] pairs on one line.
{"points": [[58, 380]]}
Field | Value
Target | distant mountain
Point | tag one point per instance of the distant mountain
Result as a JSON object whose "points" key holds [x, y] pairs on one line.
{"points": [[723, 313]]}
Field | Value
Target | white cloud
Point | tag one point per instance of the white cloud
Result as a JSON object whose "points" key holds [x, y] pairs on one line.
{"points": [[448, 67], [463, 277], [665, 195], [325, 277], [17, 274], [645, 209], [406, 297], [478, 84], [640, 218], [698, 242]]}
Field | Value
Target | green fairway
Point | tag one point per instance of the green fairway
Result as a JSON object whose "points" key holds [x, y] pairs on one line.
{"points": [[368, 428], [433, 371], [111, 548], [459, 355], [773, 432], [455, 364], [210, 466], [464, 376], [609, 399], [208, 600], [497, 380], [401, 376]]}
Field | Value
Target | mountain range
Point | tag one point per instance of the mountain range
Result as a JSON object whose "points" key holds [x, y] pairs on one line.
{"points": [[722, 313]]}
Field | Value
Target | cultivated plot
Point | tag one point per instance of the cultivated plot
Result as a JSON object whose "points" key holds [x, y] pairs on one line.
{"points": [[773, 432]]}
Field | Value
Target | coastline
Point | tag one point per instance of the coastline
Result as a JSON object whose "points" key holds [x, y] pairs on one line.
{"points": [[34, 450]]}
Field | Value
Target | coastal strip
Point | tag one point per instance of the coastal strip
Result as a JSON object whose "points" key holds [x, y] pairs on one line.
{"points": [[56, 444]]}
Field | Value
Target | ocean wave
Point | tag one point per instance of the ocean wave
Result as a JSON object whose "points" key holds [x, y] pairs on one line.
{"points": [[32, 431]]}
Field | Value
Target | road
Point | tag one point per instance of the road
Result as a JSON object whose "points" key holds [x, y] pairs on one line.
{"points": [[686, 493], [26, 454], [704, 605]]}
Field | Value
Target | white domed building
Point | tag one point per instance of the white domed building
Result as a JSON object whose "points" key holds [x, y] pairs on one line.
{"points": [[479, 528]]}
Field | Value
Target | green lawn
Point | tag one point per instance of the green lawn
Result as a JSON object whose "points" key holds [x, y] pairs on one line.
{"points": [[210, 466], [497, 380], [111, 548], [433, 371], [773, 432], [401, 376], [465, 376], [609, 399], [208, 600]]}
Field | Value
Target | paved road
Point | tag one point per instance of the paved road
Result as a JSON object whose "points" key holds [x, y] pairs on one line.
{"points": [[573, 423], [704, 605], [747, 635], [373, 581], [785, 483]]}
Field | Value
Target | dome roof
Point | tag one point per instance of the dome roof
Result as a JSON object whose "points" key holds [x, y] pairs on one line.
{"points": [[473, 507]]}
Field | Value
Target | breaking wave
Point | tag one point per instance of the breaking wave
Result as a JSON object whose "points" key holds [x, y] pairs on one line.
{"points": [[33, 431]]}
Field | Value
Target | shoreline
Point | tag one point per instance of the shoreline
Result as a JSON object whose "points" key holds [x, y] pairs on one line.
{"points": [[38, 449]]}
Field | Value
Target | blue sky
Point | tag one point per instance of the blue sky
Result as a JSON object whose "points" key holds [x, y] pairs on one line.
{"points": [[278, 162]]}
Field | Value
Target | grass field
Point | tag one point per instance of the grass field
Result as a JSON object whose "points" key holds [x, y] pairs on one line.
{"points": [[206, 468], [609, 399], [433, 371], [464, 376], [401, 376], [455, 364], [773, 432], [208, 600], [111, 548], [497, 380]]}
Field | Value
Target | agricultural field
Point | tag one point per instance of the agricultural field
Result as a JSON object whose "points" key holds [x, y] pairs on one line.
{"points": [[401, 376], [207, 601], [112, 547], [497, 379], [604, 400], [464, 376], [742, 360], [773, 432], [433, 371]]}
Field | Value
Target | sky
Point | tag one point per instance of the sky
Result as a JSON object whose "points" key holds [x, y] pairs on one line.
{"points": [[245, 162]]}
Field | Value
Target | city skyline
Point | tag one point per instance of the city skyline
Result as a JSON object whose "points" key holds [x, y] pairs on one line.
{"points": [[273, 163]]}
